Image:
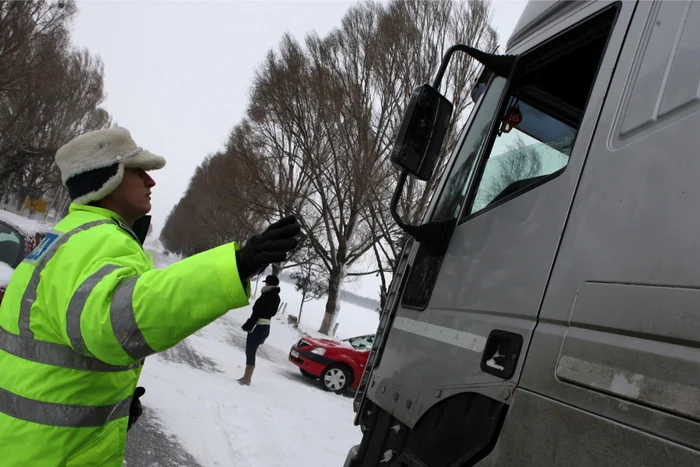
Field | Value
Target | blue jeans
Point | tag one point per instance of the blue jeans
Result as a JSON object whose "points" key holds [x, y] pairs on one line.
{"points": [[255, 339]]}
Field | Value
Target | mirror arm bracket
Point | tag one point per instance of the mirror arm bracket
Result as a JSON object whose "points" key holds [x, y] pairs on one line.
{"points": [[501, 65], [435, 236]]}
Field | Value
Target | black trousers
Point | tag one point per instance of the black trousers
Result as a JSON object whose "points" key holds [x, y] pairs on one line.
{"points": [[255, 339]]}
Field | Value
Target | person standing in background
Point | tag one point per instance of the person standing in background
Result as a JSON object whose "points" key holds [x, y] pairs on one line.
{"points": [[258, 325]]}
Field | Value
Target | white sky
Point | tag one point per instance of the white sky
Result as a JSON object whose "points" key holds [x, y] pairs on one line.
{"points": [[177, 73]]}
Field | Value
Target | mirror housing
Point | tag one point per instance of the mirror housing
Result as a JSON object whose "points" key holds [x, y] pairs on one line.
{"points": [[421, 133]]}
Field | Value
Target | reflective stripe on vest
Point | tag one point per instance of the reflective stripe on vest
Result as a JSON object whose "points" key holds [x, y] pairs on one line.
{"points": [[77, 304], [121, 313], [66, 415], [51, 353]]}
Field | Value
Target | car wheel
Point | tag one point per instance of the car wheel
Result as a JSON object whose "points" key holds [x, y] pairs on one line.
{"points": [[335, 378], [306, 373]]}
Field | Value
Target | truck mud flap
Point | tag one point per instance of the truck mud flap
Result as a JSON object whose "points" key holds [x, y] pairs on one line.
{"points": [[457, 432]]}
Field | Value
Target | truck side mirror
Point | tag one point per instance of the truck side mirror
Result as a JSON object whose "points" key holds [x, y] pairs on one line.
{"points": [[421, 133]]}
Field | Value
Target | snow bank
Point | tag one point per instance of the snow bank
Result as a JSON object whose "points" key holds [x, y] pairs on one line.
{"points": [[5, 274], [26, 225]]}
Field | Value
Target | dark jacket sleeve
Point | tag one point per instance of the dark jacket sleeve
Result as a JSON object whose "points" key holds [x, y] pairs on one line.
{"points": [[265, 307]]}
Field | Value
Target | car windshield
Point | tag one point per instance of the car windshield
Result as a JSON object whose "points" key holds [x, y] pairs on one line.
{"points": [[361, 342]]}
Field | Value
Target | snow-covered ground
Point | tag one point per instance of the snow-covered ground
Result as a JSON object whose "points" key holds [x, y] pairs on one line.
{"points": [[282, 419]]}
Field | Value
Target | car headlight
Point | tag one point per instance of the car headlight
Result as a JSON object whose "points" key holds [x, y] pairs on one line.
{"points": [[319, 351]]}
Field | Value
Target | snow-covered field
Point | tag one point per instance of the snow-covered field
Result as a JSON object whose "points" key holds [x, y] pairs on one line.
{"points": [[282, 419]]}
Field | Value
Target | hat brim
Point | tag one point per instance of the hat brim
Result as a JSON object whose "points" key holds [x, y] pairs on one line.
{"points": [[145, 160]]}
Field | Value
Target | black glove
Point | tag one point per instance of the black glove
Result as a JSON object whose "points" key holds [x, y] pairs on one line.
{"points": [[271, 246], [135, 410], [248, 326]]}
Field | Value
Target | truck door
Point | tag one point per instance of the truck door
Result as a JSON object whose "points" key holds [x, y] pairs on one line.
{"points": [[453, 356]]}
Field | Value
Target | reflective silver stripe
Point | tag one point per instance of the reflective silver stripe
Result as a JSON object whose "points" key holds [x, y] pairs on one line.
{"points": [[77, 304], [65, 415], [30, 293], [50, 353], [121, 313]]}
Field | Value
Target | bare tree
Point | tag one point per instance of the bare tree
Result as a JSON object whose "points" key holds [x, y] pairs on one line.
{"points": [[214, 209], [265, 151], [412, 37], [48, 95], [309, 278]]}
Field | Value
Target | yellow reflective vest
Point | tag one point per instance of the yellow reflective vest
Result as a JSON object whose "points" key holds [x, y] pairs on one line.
{"points": [[80, 314]]}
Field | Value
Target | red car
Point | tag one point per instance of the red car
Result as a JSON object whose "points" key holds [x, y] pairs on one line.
{"points": [[337, 364]]}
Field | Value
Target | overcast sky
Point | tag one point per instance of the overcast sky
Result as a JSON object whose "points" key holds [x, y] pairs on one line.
{"points": [[177, 73]]}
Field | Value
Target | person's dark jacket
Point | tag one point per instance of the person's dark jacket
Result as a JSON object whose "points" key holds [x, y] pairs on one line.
{"points": [[265, 307]]}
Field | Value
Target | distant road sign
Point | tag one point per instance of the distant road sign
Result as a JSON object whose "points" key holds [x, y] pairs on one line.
{"points": [[37, 205]]}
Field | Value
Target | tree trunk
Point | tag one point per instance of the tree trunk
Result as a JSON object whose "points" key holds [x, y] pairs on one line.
{"points": [[276, 269], [333, 303], [20, 202], [382, 297], [301, 308]]}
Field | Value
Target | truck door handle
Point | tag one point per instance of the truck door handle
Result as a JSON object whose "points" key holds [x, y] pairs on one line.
{"points": [[501, 353]]}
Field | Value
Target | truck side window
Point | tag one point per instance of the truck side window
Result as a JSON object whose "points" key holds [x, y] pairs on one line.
{"points": [[542, 114], [519, 159]]}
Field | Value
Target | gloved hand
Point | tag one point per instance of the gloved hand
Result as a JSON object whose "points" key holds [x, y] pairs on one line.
{"points": [[248, 326], [135, 410], [271, 246]]}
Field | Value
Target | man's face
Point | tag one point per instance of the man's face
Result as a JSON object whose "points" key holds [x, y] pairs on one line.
{"points": [[132, 198]]}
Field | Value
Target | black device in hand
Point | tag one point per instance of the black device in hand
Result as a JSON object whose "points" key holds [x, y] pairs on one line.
{"points": [[270, 246], [136, 409]]}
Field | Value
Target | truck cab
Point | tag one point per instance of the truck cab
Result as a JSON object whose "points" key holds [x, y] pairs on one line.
{"points": [[559, 323]]}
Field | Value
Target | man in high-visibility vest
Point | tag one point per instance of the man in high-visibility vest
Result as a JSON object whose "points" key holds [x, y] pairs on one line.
{"points": [[85, 308]]}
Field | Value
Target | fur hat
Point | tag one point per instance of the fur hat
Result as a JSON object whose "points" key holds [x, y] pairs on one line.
{"points": [[92, 165]]}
